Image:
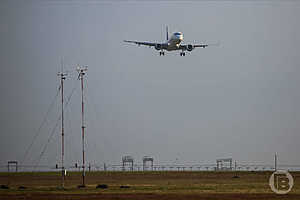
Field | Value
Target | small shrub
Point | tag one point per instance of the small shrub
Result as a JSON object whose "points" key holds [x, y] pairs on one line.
{"points": [[102, 186], [124, 186], [4, 187]]}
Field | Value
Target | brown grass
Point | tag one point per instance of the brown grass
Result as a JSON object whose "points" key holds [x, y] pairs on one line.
{"points": [[148, 185]]}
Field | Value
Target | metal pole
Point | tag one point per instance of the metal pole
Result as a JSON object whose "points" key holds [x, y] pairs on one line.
{"points": [[62, 78], [82, 127], [81, 72], [62, 131]]}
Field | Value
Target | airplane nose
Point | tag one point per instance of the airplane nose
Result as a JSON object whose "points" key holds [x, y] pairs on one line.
{"points": [[180, 37]]}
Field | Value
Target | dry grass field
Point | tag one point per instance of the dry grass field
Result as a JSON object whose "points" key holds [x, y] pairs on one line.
{"points": [[146, 185]]}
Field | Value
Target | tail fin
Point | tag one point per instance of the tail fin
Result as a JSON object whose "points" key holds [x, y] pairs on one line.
{"points": [[167, 33]]}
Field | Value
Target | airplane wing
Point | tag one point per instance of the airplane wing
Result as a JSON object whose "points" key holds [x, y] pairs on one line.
{"points": [[201, 45], [141, 43]]}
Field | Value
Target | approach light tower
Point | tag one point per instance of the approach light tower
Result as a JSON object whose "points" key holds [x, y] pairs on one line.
{"points": [[81, 72], [62, 76]]}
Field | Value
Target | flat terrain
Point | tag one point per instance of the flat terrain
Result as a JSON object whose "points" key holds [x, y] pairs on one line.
{"points": [[146, 185]]}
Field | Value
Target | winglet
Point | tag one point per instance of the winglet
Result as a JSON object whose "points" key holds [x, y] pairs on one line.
{"points": [[129, 41], [167, 33]]}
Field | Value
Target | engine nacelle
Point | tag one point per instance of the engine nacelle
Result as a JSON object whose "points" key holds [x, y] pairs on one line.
{"points": [[189, 47], [158, 46]]}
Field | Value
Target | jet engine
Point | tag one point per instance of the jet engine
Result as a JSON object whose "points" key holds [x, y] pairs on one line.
{"points": [[189, 47], [158, 46]]}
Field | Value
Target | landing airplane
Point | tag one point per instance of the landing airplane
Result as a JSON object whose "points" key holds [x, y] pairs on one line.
{"points": [[171, 44]]}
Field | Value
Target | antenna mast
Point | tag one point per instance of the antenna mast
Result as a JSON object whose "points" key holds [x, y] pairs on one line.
{"points": [[62, 76], [81, 72]]}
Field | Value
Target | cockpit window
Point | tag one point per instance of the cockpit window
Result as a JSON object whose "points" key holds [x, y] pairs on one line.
{"points": [[177, 34]]}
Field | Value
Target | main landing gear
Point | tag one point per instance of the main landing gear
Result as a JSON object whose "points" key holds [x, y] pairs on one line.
{"points": [[182, 53], [161, 53]]}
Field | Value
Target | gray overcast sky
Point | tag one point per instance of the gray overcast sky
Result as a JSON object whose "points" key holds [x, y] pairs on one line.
{"points": [[240, 99]]}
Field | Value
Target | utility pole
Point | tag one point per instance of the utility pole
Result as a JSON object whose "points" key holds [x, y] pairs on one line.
{"points": [[81, 72], [62, 78]]}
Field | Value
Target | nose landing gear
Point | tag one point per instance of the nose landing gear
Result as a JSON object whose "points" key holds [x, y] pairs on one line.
{"points": [[182, 53], [161, 53]]}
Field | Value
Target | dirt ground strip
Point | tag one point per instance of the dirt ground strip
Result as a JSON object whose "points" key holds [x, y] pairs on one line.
{"points": [[145, 185], [222, 196]]}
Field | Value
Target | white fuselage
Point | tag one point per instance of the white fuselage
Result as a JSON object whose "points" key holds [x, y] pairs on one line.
{"points": [[174, 41]]}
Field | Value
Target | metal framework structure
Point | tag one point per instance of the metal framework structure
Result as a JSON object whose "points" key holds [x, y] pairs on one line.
{"points": [[221, 162], [147, 159], [12, 162], [127, 159]]}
